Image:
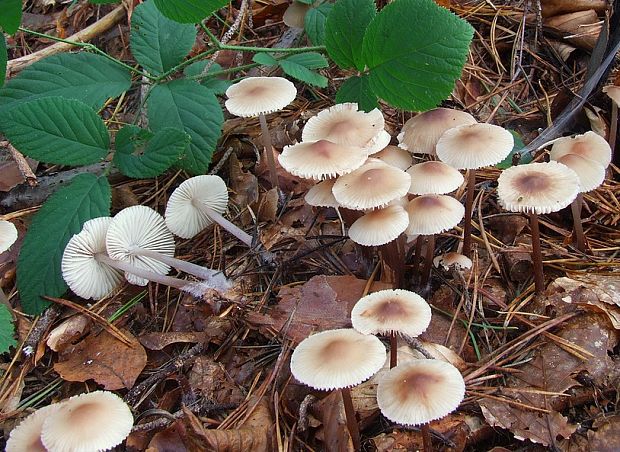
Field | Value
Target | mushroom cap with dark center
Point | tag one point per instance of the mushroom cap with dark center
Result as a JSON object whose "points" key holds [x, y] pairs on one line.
{"points": [[537, 187], [380, 226], [590, 173], [295, 14], [337, 359], [26, 437], [420, 391], [434, 177], [395, 156], [8, 235], [254, 96], [433, 214], [589, 145], [391, 311]]}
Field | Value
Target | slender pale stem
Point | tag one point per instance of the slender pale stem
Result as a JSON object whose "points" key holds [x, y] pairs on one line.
{"points": [[426, 438], [539, 279], [181, 265], [428, 261], [226, 224], [469, 203], [351, 419], [575, 208], [393, 350], [271, 163]]}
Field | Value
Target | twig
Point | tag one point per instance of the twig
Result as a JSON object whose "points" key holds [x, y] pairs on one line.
{"points": [[204, 408], [22, 164], [35, 336]]}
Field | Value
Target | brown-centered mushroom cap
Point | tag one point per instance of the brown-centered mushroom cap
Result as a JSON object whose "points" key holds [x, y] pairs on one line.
{"points": [[320, 195], [433, 214], [380, 226], [395, 156], [8, 235], [434, 177], [590, 173], [589, 145], [26, 437], [295, 14], [254, 96], [537, 187]]}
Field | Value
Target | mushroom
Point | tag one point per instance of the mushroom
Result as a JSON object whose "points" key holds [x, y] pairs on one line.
{"points": [[338, 359], [8, 235], [391, 312], [395, 156], [470, 147], [434, 177], [589, 145], [258, 96], [27, 435], [614, 94], [379, 226], [537, 188], [320, 195], [418, 392], [295, 14], [452, 260]]}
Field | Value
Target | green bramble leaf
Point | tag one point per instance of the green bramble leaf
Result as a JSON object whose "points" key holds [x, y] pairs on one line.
{"points": [[158, 43], [189, 11], [344, 31], [10, 15], [300, 66], [57, 130], [265, 59], [62, 216], [7, 329], [357, 89], [3, 58], [215, 84], [187, 105], [141, 154], [522, 159], [305, 2], [314, 23]]}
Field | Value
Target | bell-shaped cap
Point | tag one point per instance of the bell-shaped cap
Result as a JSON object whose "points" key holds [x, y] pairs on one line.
{"points": [[254, 96], [320, 195], [452, 260], [26, 437], [590, 173], [433, 214], [395, 156], [295, 15], [589, 145], [434, 177], [8, 235], [379, 226]]}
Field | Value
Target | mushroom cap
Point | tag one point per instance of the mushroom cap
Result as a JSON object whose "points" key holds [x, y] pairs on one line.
{"points": [[433, 214], [345, 124], [27, 435], [295, 15], [591, 174], [380, 226], [337, 359], [589, 145], [139, 227], [537, 187], [184, 217], [378, 143], [320, 195], [452, 259], [372, 185], [420, 134], [434, 177], [85, 275], [8, 235], [474, 146], [613, 92], [391, 311], [395, 156], [321, 159], [420, 391], [88, 422], [254, 96]]}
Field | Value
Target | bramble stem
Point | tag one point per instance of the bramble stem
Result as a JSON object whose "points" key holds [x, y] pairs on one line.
{"points": [[351, 419], [469, 203]]}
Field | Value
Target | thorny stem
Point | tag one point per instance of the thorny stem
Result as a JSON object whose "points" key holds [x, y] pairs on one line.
{"points": [[539, 281], [428, 261], [351, 419], [469, 202], [271, 163], [393, 350], [575, 208]]}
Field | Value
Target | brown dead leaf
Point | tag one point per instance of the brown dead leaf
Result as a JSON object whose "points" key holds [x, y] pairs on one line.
{"points": [[244, 187], [580, 28], [605, 434], [333, 432], [10, 176], [555, 7], [507, 227], [157, 341], [277, 233], [266, 208], [104, 359], [169, 440], [210, 379]]}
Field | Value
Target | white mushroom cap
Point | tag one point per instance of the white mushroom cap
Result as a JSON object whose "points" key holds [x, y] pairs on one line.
{"points": [[434, 178], [589, 145], [391, 311], [613, 92], [88, 422], [420, 391], [372, 185], [337, 359], [139, 227], [254, 96], [26, 437], [395, 156], [590, 173], [345, 124], [320, 195], [420, 134], [452, 259], [321, 159], [474, 146], [433, 214], [184, 217], [8, 235], [380, 226], [85, 275]]}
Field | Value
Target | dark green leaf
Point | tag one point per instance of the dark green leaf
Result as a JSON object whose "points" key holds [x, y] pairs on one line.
{"points": [[189, 11], [140, 154], [515, 154], [356, 89], [344, 31], [305, 2], [57, 130], [265, 59], [158, 43], [415, 51], [188, 105], [104, 2], [299, 66], [3, 59], [7, 330], [82, 76], [63, 214], [314, 23], [10, 15], [216, 84]]}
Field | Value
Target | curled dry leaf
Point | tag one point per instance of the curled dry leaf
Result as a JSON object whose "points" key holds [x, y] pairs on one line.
{"points": [[605, 434], [68, 332], [169, 439], [580, 28], [216, 331], [333, 432], [209, 379]]}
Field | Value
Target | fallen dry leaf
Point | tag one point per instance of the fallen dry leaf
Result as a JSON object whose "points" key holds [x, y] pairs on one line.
{"points": [[605, 434], [210, 379], [580, 28], [169, 440], [216, 330], [333, 432]]}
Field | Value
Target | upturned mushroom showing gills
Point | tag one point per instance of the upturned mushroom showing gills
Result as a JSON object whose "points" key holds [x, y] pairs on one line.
{"points": [[8, 235], [258, 96]]}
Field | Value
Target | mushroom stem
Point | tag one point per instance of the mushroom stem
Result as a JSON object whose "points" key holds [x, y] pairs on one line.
{"points": [[613, 128], [417, 256], [351, 420], [226, 224], [575, 208], [393, 350], [469, 202], [428, 261], [271, 163], [426, 438], [539, 281], [181, 265]]}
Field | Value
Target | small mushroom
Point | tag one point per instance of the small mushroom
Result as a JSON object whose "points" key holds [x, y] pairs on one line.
{"points": [[8, 235], [379, 226], [395, 156], [320, 195], [434, 177], [589, 145], [27, 435]]}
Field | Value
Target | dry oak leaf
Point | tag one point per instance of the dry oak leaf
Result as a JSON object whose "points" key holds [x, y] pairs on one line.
{"points": [[105, 359], [605, 434]]}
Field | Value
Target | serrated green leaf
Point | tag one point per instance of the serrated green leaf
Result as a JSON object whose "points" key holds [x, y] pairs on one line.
{"points": [[192, 107], [3, 58], [158, 43], [7, 329], [357, 89], [415, 50], [516, 154], [10, 15], [103, 2], [265, 59], [216, 84], [62, 215], [314, 23], [57, 130], [344, 31], [305, 2], [89, 78], [189, 11], [299, 66], [141, 154]]}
